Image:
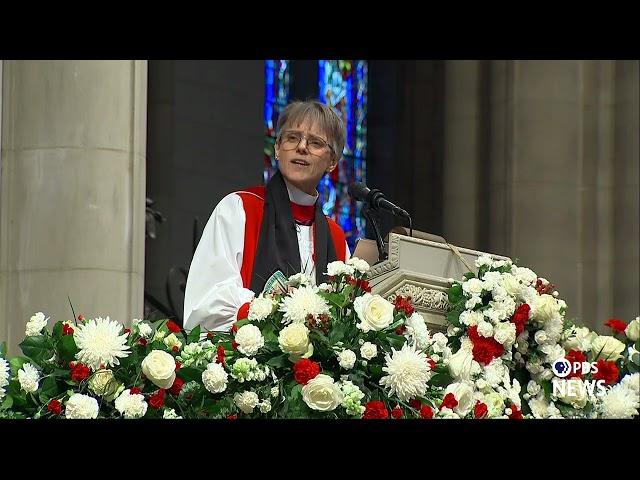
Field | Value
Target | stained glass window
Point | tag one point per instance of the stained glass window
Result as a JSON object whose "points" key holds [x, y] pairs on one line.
{"points": [[276, 98]]}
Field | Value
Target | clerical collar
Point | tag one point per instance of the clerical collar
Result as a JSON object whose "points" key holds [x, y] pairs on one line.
{"points": [[298, 196]]}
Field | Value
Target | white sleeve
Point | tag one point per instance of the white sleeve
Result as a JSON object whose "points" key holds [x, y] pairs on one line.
{"points": [[214, 289]]}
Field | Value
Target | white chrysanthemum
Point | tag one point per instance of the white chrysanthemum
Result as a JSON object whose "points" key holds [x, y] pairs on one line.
{"points": [[246, 401], [360, 265], [145, 329], [170, 414], [339, 268], [249, 339], [620, 402], [214, 378], [368, 350], [347, 359], [632, 382], [131, 406], [261, 307], [408, 373], [302, 302], [36, 324], [29, 377], [417, 331], [4, 372], [81, 406], [100, 342]]}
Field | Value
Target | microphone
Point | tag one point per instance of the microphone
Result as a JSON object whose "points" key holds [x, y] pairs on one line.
{"points": [[375, 199]]}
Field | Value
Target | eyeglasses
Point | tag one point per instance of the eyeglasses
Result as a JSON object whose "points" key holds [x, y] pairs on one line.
{"points": [[291, 140]]}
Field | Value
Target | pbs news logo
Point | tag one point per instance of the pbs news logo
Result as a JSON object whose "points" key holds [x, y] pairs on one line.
{"points": [[562, 368]]}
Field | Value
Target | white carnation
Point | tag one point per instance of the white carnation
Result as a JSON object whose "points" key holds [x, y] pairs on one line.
{"points": [[145, 330], [170, 414], [339, 268], [471, 318], [473, 287], [484, 260], [472, 302], [29, 377], [81, 406], [505, 333], [347, 359], [131, 406], [525, 275], [417, 331], [485, 329], [35, 324], [215, 378], [533, 388], [358, 264], [246, 401], [265, 406], [297, 280], [301, 303], [408, 373], [249, 339], [261, 307]]}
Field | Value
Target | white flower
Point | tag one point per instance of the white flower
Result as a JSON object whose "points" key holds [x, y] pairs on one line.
{"points": [[620, 402], [607, 348], [101, 343], [374, 312], [322, 393], [325, 287], [460, 365], [491, 280], [501, 263], [265, 406], [347, 359], [160, 368], [160, 334], [511, 284], [275, 391], [358, 264], [249, 339], [215, 378], [447, 414], [484, 260], [368, 350], [494, 403], [540, 337], [525, 275], [131, 406], [496, 373], [81, 406], [552, 352], [172, 341], [439, 343], [544, 308], [4, 373], [246, 401], [261, 307], [505, 333], [633, 330], [471, 318], [463, 393], [339, 268], [473, 287], [302, 302], [485, 329], [472, 302], [36, 324], [574, 392], [294, 340], [299, 279], [29, 377], [170, 414], [145, 330], [533, 388], [103, 383], [539, 406], [417, 331], [408, 373], [632, 382], [352, 396]]}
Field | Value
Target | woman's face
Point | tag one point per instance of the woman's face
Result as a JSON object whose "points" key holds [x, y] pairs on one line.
{"points": [[304, 156]]}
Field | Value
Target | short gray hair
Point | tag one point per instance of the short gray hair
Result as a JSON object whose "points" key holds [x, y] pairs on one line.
{"points": [[319, 114]]}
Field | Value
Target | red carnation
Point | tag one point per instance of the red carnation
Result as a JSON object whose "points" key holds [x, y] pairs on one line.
{"points": [[135, 391], [449, 401], [157, 399], [485, 349], [375, 410], [352, 281], [415, 403], [576, 356], [304, 370], [364, 285], [521, 317], [397, 413], [607, 371], [174, 327], [220, 354], [175, 349], [67, 330], [209, 335], [515, 413], [404, 304], [480, 410], [431, 363], [177, 386], [400, 330], [55, 407], [618, 325], [142, 341], [80, 372], [234, 345], [232, 417], [126, 330], [426, 412], [178, 365]]}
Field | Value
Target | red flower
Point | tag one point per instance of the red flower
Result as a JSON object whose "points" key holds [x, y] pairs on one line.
{"points": [[157, 399], [431, 363], [178, 365], [209, 335], [177, 386], [67, 330], [81, 318], [375, 410], [404, 304], [576, 356], [352, 281], [232, 417], [515, 413], [397, 413], [55, 407], [142, 341], [135, 391], [175, 349], [521, 317], [304, 370], [220, 354], [485, 349], [400, 330], [174, 327], [415, 403], [126, 330], [426, 412], [234, 328], [449, 401], [607, 371], [618, 325], [80, 372], [234, 345], [364, 285], [480, 410]]}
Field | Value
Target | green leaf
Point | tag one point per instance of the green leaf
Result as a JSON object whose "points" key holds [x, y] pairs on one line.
{"points": [[189, 374], [336, 299], [36, 348], [547, 387], [50, 387], [469, 275], [455, 294], [68, 348], [16, 364], [635, 358], [453, 317], [3, 349], [194, 335], [7, 404], [396, 341], [337, 333], [441, 379], [57, 330], [279, 361]]}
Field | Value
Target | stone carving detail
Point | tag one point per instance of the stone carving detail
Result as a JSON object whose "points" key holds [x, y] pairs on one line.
{"points": [[423, 297]]}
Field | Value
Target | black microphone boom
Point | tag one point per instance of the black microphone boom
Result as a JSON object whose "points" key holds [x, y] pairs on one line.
{"points": [[375, 199]]}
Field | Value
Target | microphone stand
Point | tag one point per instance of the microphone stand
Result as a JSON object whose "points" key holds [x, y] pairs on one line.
{"points": [[382, 255]]}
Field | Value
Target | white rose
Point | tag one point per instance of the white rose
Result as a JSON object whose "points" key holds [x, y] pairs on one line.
{"points": [[545, 308], [485, 329], [464, 395], [471, 318], [581, 338], [294, 340], [472, 287], [505, 333], [374, 312], [633, 330], [359, 264], [131, 406], [540, 337], [260, 308], [607, 348], [81, 407], [36, 324], [575, 392], [511, 284], [160, 368], [460, 364], [347, 359], [368, 350], [214, 378], [249, 339], [246, 401], [104, 384], [145, 330], [29, 377], [322, 393], [172, 341], [339, 268]]}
